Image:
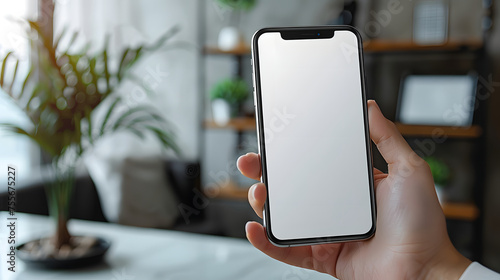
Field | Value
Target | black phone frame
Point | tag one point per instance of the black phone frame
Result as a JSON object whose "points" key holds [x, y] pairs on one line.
{"points": [[297, 33]]}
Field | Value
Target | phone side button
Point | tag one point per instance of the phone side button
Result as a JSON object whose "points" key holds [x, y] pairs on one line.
{"points": [[254, 91], [264, 218]]}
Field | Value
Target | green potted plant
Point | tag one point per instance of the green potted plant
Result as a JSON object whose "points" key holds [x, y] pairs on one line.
{"points": [[230, 36], [227, 97], [59, 95], [238, 4], [441, 174]]}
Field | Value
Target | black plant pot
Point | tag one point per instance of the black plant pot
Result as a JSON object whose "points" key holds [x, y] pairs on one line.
{"points": [[93, 256]]}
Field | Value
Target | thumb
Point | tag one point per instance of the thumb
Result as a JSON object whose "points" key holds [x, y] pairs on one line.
{"points": [[386, 136]]}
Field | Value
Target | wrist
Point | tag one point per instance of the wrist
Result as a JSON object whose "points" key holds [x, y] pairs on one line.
{"points": [[449, 264]]}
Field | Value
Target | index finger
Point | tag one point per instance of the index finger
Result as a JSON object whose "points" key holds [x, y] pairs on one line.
{"points": [[249, 165]]}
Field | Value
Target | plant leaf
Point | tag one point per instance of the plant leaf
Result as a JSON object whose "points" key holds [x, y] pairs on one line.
{"points": [[58, 39], [46, 41], [167, 35], [141, 119], [13, 78], [89, 121], [122, 62], [108, 115], [25, 82], [138, 54], [47, 142], [15, 129], [4, 63], [140, 83], [36, 92], [126, 63], [136, 132], [72, 41], [106, 69], [124, 116], [165, 138]]}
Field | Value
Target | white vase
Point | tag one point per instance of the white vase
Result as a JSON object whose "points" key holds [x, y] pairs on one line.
{"points": [[221, 111], [229, 38]]}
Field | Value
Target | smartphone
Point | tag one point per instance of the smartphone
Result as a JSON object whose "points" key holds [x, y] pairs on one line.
{"points": [[313, 135]]}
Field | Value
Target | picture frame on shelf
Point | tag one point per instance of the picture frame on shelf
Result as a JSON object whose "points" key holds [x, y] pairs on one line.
{"points": [[430, 22], [440, 100]]}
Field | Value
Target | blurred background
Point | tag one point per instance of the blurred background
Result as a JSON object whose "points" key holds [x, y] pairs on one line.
{"points": [[432, 66]]}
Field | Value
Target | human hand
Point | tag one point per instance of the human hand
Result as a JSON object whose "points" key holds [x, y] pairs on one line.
{"points": [[411, 241]]}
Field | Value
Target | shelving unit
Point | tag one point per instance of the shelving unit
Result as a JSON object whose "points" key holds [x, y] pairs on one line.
{"points": [[230, 191], [474, 131], [237, 54], [236, 124], [461, 211], [473, 50], [238, 51], [239, 125], [386, 46]]}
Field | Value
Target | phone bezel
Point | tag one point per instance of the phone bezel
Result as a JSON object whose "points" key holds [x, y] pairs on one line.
{"points": [[262, 149]]}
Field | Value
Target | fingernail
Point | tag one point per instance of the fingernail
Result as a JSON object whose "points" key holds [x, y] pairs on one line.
{"points": [[238, 161], [246, 226], [372, 105], [252, 191]]}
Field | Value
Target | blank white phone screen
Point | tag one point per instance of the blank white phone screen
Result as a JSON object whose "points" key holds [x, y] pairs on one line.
{"points": [[314, 136]]}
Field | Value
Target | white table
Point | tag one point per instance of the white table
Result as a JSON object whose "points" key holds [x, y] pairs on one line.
{"points": [[141, 253]]}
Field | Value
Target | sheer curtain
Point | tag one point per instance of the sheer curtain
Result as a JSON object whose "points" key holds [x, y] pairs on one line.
{"points": [[16, 150]]}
